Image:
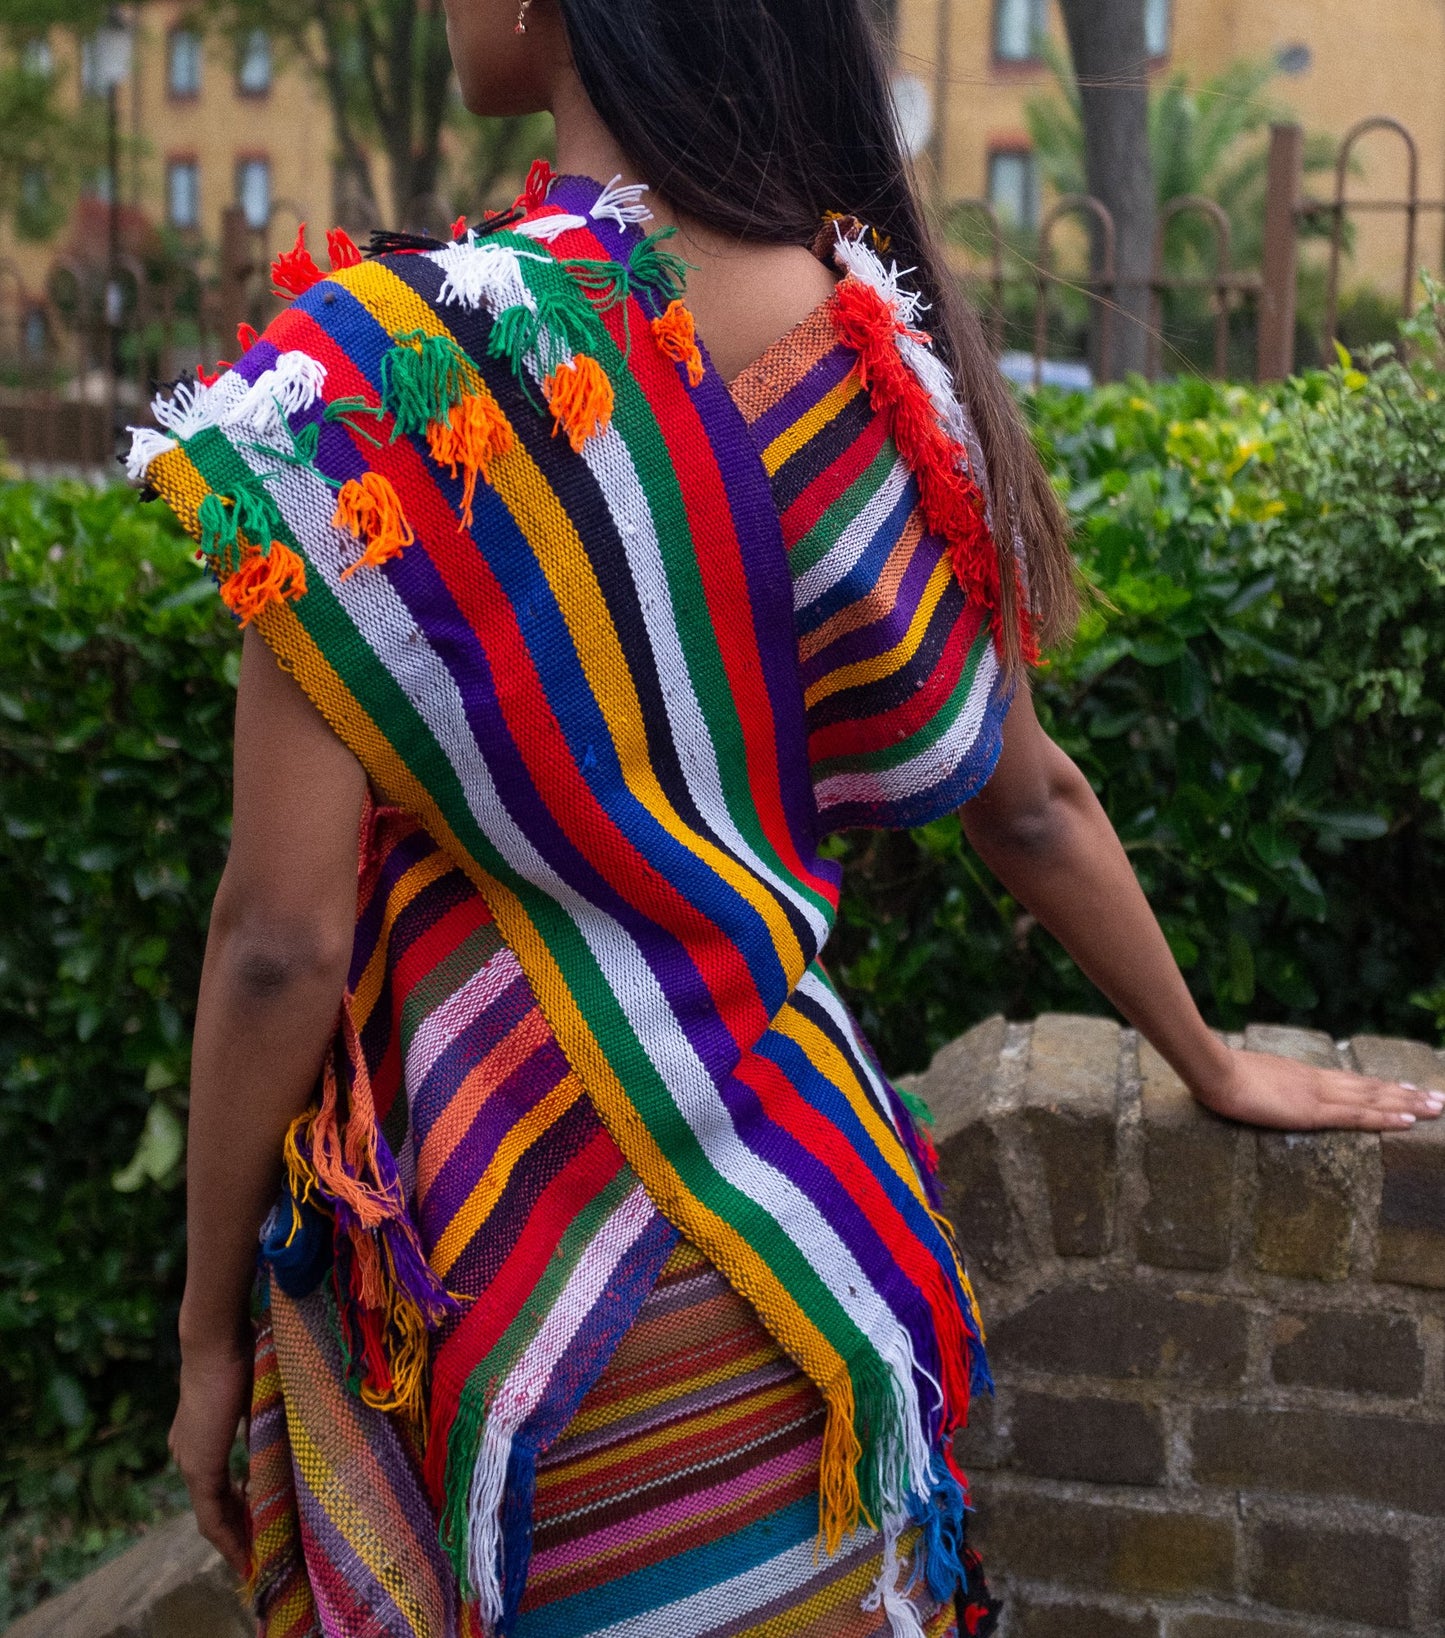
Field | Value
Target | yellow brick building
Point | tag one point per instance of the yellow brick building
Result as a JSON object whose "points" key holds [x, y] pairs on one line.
{"points": [[975, 66], [203, 124]]}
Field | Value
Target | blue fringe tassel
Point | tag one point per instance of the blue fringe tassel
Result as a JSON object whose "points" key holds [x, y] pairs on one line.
{"points": [[942, 1516], [516, 1545]]}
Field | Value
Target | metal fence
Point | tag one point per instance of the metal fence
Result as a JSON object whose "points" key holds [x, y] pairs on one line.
{"points": [[82, 358]]}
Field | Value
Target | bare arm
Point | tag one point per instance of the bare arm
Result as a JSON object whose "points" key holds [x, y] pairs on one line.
{"points": [[276, 959], [1039, 827]]}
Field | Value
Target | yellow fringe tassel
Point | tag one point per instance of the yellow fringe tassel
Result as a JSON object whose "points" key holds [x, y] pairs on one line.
{"points": [[370, 509], [839, 1503], [675, 333], [263, 581], [581, 400], [470, 439]]}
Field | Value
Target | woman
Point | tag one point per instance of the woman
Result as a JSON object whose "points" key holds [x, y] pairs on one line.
{"points": [[607, 1289]]}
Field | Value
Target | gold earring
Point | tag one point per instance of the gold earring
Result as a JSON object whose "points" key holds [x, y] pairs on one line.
{"points": [[521, 27]]}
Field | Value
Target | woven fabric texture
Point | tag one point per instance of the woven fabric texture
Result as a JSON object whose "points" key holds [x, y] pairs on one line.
{"points": [[615, 670]]}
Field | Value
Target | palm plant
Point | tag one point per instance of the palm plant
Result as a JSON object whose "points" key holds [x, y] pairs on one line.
{"points": [[1208, 139]]}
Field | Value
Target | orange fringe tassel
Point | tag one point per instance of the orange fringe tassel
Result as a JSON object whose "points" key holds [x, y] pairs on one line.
{"points": [[581, 400], [263, 580], [675, 333], [369, 508], [469, 440]]}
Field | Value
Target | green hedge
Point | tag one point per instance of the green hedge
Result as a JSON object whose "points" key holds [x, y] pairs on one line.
{"points": [[1259, 698]]}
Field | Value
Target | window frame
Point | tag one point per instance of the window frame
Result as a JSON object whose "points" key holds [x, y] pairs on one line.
{"points": [[1039, 20], [1166, 50], [173, 37], [1033, 199], [255, 93], [176, 162], [244, 161]]}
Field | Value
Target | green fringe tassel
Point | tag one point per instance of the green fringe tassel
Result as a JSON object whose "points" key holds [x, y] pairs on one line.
{"points": [[423, 379]]}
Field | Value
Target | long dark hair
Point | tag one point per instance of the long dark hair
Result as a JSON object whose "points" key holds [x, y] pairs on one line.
{"points": [[757, 116]]}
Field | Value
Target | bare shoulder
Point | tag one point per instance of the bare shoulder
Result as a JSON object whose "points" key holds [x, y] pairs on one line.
{"points": [[746, 296]]}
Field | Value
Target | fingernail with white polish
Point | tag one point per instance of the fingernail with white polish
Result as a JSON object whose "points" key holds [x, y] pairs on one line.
{"points": [[1434, 1101], [1409, 1086], [1407, 1120]]}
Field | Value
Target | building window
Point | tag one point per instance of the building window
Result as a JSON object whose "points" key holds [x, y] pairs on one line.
{"points": [[90, 82], [253, 191], [253, 66], [183, 63], [1013, 187], [1158, 20], [183, 193], [1019, 29], [37, 58], [35, 333]]}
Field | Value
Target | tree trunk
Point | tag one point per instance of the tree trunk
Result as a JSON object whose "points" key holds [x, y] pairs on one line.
{"points": [[1111, 64]]}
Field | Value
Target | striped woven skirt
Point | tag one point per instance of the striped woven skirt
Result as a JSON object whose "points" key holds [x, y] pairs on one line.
{"points": [[682, 1501]]}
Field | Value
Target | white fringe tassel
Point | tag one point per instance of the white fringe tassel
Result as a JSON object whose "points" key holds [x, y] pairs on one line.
{"points": [[484, 275], [887, 1595], [547, 228], [145, 444], [193, 405], [291, 385], [622, 204]]}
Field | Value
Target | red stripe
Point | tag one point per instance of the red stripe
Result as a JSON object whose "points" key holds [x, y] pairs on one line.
{"points": [[834, 480], [535, 731], [790, 1112], [880, 731], [719, 557]]}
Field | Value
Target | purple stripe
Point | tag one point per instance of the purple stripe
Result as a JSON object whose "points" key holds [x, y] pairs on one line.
{"points": [[833, 367], [256, 360], [400, 858], [543, 1069], [879, 635], [507, 1221]]}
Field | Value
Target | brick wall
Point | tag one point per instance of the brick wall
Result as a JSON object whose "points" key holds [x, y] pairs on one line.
{"points": [[1220, 1353]]}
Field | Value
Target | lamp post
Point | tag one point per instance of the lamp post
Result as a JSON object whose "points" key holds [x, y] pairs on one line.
{"points": [[113, 49]]}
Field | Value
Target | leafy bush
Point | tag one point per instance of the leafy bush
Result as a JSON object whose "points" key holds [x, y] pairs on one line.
{"points": [[116, 682], [1258, 696]]}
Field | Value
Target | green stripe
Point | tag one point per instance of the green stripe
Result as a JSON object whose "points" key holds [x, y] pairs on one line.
{"points": [[461, 962], [828, 530]]}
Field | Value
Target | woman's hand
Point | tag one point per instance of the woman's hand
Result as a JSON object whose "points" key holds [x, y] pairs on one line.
{"points": [[1295, 1097], [215, 1400]]}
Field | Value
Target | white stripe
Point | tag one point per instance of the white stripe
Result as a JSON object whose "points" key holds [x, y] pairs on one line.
{"points": [[932, 766], [844, 555], [436, 1032], [525, 1383], [817, 990]]}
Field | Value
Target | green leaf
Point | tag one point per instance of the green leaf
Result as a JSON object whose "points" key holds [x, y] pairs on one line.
{"points": [[156, 1156]]}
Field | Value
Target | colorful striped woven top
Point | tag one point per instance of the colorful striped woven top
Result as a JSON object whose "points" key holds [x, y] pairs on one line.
{"points": [[614, 687]]}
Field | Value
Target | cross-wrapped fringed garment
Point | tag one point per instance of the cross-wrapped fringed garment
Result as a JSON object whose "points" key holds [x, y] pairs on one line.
{"points": [[610, 1291]]}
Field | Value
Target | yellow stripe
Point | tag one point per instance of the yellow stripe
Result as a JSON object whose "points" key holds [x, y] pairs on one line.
{"points": [[553, 537], [588, 1421], [822, 1052], [487, 1190], [346, 1516], [421, 875], [789, 442], [895, 658]]}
